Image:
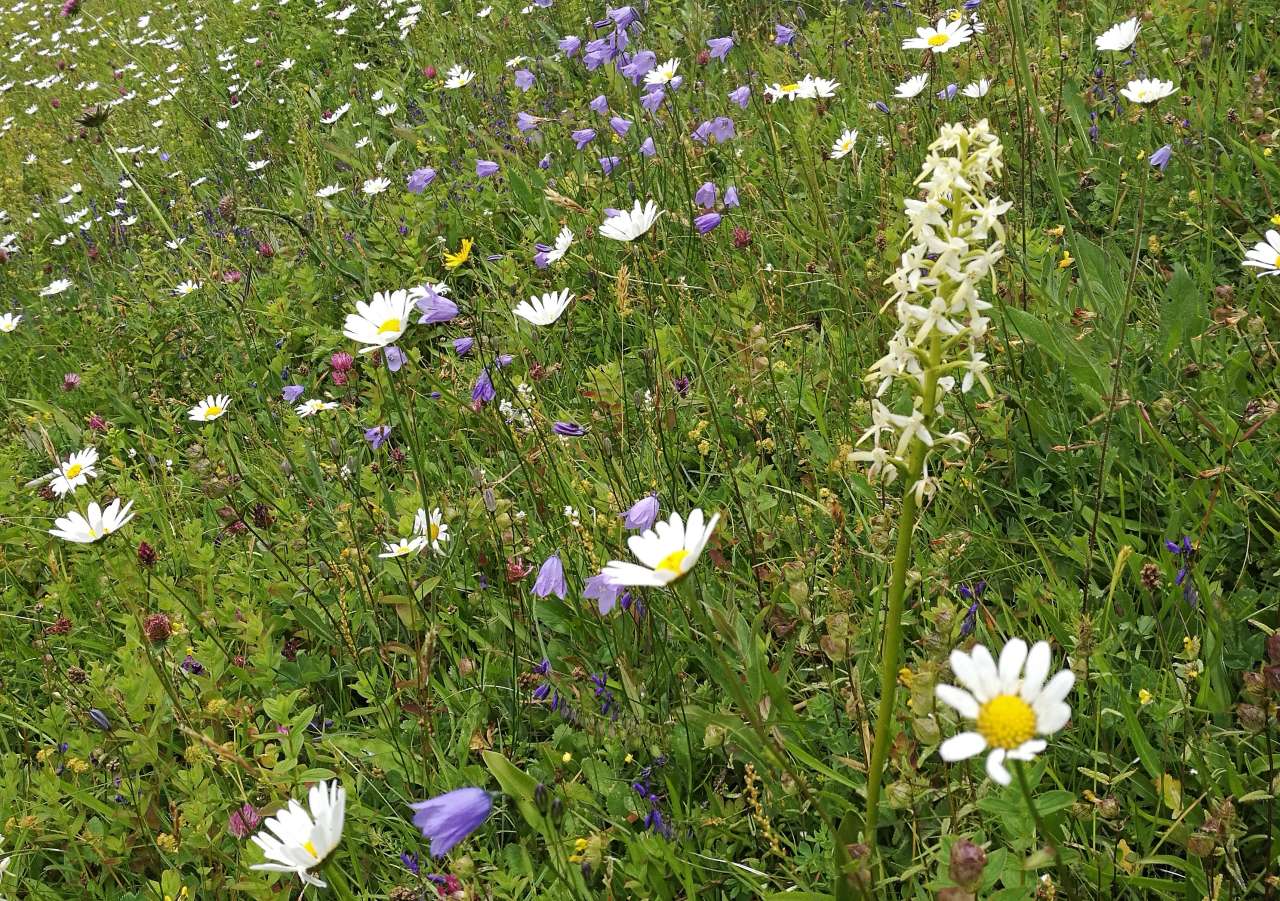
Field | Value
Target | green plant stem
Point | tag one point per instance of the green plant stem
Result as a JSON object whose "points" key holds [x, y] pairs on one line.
{"points": [[1024, 785], [892, 652], [889, 659]]}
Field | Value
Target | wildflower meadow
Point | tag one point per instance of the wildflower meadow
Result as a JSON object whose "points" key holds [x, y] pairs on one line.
{"points": [[782, 450]]}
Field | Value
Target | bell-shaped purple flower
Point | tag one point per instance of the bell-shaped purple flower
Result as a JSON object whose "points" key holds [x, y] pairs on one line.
{"points": [[292, 392], [569, 44], [377, 435], [647, 148], [394, 357], [620, 126], [705, 196], [720, 47], [435, 308], [706, 222], [485, 168], [524, 79], [568, 429], [419, 179], [730, 197], [449, 818], [740, 96], [641, 64], [462, 346], [526, 123], [642, 514], [583, 136], [609, 163], [551, 578], [651, 100], [1160, 159], [603, 592], [783, 35], [600, 104]]}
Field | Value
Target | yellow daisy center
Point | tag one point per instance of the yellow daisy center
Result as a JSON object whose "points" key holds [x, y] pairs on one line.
{"points": [[788, 88], [93, 533], [1006, 721], [389, 326], [311, 849], [938, 40], [211, 412], [1276, 261], [434, 531], [74, 470], [672, 562]]}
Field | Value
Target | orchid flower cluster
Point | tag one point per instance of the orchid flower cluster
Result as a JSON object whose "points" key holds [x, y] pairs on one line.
{"points": [[957, 239]]}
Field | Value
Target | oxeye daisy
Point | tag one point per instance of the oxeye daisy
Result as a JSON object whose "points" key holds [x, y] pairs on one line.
{"points": [[627, 226], [210, 408], [381, 321], [297, 841], [1265, 255], [668, 551], [544, 310], [95, 523], [75, 471], [458, 77], [912, 86], [433, 528], [845, 144], [9, 322], [940, 38], [1119, 36], [1010, 704], [314, 406], [663, 73], [1147, 90], [404, 547]]}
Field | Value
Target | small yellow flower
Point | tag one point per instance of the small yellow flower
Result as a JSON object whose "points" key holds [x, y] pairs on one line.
{"points": [[566, 757], [454, 260], [1055, 232], [1266, 151], [1275, 220], [167, 842], [628, 759], [905, 676], [1066, 260], [1144, 697]]}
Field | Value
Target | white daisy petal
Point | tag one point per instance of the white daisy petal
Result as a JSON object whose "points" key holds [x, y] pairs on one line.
{"points": [[1038, 661], [960, 700], [1011, 660], [996, 769], [962, 746]]}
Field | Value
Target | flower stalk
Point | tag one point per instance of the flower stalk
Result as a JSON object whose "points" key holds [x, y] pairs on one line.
{"points": [[957, 239]]}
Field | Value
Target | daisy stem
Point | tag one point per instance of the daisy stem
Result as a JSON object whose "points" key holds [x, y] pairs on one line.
{"points": [[338, 880], [1024, 784]]}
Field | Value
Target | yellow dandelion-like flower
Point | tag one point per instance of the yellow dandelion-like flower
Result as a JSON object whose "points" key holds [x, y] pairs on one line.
{"points": [[454, 260]]}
